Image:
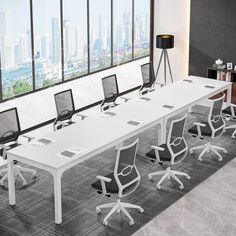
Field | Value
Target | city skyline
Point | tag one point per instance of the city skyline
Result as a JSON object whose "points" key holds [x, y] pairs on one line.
{"points": [[16, 49]]}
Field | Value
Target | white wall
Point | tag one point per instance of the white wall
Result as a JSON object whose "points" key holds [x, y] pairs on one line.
{"points": [[173, 17]]}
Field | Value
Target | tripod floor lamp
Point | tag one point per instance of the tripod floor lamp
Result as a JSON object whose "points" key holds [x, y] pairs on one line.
{"points": [[164, 42]]}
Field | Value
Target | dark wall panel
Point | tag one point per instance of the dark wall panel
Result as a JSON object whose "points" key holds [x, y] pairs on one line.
{"points": [[212, 34]]}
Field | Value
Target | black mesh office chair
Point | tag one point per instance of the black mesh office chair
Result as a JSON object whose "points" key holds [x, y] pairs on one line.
{"points": [[111, 92], [9, 133], [172, 152], [230, 112], [213, 128], [65, 109], [148, 78], [123, 181]]}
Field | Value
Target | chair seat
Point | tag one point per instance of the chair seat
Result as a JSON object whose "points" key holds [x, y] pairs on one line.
{"points": [[205, 131], [227, 110], [111, 187]]}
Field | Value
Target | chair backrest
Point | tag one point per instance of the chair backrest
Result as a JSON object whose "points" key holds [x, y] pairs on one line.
{"points": [[110, 88], [147, 75], [175, 140], [215, 118], [9, 126], [125, 172], [64, 105]]}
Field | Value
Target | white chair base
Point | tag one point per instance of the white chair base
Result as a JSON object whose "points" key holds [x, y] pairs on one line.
{"points": [[117, 207], [207, 148], [167, 174], [232, 127], [17, 171]]}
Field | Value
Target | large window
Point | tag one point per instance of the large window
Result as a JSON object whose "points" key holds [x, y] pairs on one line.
{"points": [[122, 31], [100, 34], [15, 47], [75, 38], [48, 42], [141, 28]]}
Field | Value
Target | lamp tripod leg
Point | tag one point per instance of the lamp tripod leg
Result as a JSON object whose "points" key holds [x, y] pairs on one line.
{"points": [[159, 64], [165, 65], [169, 66]]}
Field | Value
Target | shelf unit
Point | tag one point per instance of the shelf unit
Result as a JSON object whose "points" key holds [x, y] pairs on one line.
{"points": [[212, 74]]}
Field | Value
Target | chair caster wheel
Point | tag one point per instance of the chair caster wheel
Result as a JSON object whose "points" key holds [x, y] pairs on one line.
{"points": [[190, 151], [188, 177], [141, 210], [1, 184], [131, 222], [181, 187], [98, 210], [149, 177], [220, 159], [225, 151], [105, 222], [233, 137], [200, 159], [158, 187]]}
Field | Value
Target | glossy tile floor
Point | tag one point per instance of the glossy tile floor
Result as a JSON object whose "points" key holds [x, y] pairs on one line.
{"points": [[207, 210]]}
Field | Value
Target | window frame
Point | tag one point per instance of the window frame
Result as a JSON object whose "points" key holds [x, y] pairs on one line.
{"points": [[150, 55]]}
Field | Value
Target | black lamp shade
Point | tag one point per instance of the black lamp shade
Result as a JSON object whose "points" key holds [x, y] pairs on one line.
{"points": [[164, 41]]}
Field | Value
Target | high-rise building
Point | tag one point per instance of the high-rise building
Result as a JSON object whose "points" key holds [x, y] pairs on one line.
{"points": [[78, 44], [55, 40], [118, 39], [7, 52], [23, 47], [147, 25], [127, 28], [67, 40], [44, 46]]}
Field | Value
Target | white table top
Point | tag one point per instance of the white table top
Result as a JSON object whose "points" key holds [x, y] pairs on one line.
{"points": [[97, 133]]}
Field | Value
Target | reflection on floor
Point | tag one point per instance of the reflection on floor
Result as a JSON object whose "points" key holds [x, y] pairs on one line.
{"points": [[34, 211]]}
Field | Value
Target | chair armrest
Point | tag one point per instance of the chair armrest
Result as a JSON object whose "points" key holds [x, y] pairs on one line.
{"points": [[28, 137], [5, 148], [199, 125], [103, 179], [82, 116], [126, 99], [157, 149]]}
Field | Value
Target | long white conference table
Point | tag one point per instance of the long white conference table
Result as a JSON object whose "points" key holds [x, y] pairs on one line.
{"points": [[98, 133]]}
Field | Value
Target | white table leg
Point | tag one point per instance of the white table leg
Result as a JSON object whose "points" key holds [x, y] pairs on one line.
{"points": [[57, 197], [162, 132], [11, 181], [229, 95]]}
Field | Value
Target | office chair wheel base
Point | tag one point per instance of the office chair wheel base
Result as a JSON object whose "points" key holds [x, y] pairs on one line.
{"points": [[141, 210], [158, 187], [131, 222], [98, 210], [105, 222], [181, 187], [149, 177]]}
